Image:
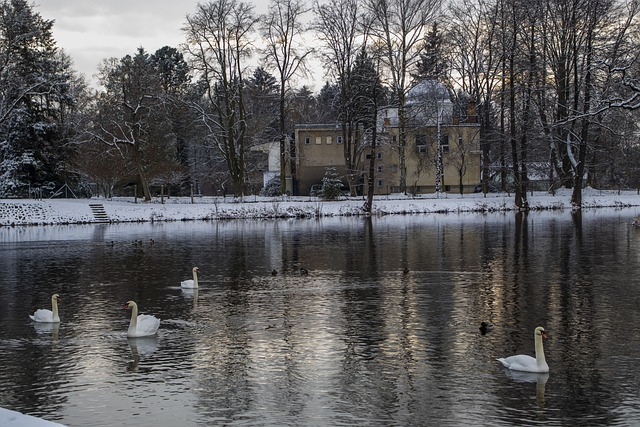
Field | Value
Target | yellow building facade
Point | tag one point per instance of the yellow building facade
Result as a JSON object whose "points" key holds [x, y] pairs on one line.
{"points": [[435, 138], [319, 147]]}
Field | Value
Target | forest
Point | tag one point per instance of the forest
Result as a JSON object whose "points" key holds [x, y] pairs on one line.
{"points": [[555, 85]]}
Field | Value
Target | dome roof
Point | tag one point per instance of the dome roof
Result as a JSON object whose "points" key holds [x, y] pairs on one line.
{"points": [[427, 90]]}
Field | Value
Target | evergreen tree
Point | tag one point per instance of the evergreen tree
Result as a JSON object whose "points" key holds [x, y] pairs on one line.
{"points": [[327, 103], [131, 115], [262, 100], [262, 82], [433, 63], [365, 85], [331, 185], [36, 101]]}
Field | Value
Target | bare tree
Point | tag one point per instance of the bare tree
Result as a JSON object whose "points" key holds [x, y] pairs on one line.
{"points": [[340, 29], [106, 168], [474, 39], [219, 40], [586, 45], [399, 30], [286, 53], [129, 114]]}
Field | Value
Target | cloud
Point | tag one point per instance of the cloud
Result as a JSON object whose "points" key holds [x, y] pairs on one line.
{"points": [[90, 31]]}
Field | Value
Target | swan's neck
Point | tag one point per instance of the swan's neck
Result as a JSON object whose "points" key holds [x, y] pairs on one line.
{"points": [[54, 307], [195, 279], [540, 360], [133, 324]]}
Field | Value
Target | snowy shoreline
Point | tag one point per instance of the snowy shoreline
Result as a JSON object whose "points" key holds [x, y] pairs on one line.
{"points": [[14, 212]]}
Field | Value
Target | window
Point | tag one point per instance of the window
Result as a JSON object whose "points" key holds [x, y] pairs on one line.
{"points": [[307, 140], [444, 143], [379, 183], [329, 140], [460, 145], [318, 140], [380, 168], [339, 140], [421, 143], [379, 156]]}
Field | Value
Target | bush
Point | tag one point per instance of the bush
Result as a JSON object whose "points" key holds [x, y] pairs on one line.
{"points": [[331, 185], [272, 189]]}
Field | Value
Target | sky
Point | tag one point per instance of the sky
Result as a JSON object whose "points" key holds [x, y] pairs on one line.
{"points": [[90, 31]]}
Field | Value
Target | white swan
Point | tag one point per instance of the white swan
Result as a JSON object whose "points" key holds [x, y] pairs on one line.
{"points": [[191, 283], [47, 316], [522, 362], [143, 325]]}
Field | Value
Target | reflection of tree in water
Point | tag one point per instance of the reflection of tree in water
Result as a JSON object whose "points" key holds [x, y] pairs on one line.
{"points": [[41, 371]]}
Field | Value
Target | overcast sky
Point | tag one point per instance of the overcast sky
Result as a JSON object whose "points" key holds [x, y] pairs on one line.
{"points": [[90, 31]]}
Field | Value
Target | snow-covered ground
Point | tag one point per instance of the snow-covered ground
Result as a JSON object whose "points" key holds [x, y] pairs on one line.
{"points": [[74, 211], [16, 419]]}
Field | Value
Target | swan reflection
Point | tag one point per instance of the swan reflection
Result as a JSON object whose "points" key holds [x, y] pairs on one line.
{"points": [[143, 346], [191, 293], [531, 377], [47, 328]]}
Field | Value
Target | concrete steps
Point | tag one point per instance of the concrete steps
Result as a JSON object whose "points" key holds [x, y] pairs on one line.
{"points": [[99, 214]]}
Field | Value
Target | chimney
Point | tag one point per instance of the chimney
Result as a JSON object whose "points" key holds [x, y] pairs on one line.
{"points": [[472, 115]]}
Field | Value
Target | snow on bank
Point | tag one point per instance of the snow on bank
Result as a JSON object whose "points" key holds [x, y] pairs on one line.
{"points": [[79, 211], [10, 418]]}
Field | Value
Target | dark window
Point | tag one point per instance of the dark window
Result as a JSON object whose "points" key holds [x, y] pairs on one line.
{"points": [[444, 143], [421, 143]]}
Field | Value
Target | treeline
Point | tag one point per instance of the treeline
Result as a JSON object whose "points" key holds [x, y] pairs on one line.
{"points": [[554, 84]]}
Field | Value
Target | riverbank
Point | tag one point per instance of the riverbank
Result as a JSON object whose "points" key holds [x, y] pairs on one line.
{"points": [[97, 210]]}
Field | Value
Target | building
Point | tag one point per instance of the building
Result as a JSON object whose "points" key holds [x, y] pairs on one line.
{"points": [[435, 138], [434, 135]]}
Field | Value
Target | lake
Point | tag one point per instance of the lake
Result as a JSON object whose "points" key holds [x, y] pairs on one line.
{"points": [[384, 329]]}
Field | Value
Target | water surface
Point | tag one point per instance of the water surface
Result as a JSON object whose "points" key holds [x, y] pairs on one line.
{"points": [[382, 331]]}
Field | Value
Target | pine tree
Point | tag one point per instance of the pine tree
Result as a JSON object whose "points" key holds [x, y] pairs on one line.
{"points": [[331, 185], [36, 100], [433, 63]]}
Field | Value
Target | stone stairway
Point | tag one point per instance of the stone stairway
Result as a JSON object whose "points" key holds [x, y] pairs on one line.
{"points": [[99, 214]]}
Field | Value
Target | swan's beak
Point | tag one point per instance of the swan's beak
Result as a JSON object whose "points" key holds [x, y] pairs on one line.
{"points": [[544, 335], [125, 305]]}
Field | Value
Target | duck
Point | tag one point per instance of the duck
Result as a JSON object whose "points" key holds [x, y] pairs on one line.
{"points": [[191, 283], [304, 271], [485, 327], [526, 363], [43, 315], [143, 325]]}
